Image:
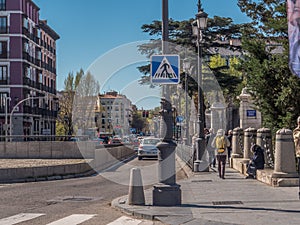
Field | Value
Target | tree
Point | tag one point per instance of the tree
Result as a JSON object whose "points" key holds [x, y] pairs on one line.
{"points": [[66, 98], [276, 91], [219, 32], [138, 122], [85, 103], [81, 85]]}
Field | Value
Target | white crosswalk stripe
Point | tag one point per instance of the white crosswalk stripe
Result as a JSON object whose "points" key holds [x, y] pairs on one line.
{"points": [[124, 220], [19, 218], [74, 219]]}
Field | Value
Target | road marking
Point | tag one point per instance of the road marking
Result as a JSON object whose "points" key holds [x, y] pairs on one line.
{"points": [[19, 218], [73, 219], [124, 220]]}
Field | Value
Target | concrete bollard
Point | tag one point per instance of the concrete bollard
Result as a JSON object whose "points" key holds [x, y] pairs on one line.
{"points": [[285, 165], [136, 192], [249, 140], [237, 142], [264, 140]]}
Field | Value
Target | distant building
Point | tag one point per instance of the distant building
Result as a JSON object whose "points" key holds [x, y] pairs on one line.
{"points": [[27, 69], [114, 114]]}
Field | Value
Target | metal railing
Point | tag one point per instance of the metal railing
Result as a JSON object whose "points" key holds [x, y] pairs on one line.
{"points": [[21, 138], [185, 153]]}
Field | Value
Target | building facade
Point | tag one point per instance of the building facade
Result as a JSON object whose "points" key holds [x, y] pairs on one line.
{"points": [[28, 103], [114, 114]]}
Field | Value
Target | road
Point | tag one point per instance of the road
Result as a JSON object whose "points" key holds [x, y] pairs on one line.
{"points": [[85, 200]]}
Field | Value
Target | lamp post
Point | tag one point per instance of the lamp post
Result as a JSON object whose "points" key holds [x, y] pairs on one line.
{"points": [[6, 98], [15, 107], [186, 67], [201, 23]]}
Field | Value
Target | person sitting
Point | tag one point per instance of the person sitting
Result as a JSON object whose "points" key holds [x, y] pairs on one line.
{"points": [[256, 162]]}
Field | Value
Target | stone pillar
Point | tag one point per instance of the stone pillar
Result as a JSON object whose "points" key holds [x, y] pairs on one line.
{"points": [[249, 140], [237, 143], [218, 116], [264, 140], [249, 115], [285, 165], [167, 192]]}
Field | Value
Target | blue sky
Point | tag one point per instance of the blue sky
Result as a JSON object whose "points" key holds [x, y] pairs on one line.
{"points": [[91, 28]]}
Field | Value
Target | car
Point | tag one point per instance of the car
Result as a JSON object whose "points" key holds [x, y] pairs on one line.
{"points": [[115, 141], [147, 148], [135, 143], [74, 139], [98, 140]]}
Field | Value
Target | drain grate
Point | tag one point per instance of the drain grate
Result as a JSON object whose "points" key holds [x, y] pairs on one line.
{"points": [[198, 181], [227, 203], [73, 199]]}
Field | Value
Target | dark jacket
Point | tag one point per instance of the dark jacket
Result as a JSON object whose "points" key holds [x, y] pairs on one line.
{"points": [[258, 158]]}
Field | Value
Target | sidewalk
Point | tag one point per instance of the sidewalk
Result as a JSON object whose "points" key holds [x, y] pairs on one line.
{"points": [[207, 199]]}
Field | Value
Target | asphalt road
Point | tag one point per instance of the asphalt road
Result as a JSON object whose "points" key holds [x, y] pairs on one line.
{"points": [[87, 198]]}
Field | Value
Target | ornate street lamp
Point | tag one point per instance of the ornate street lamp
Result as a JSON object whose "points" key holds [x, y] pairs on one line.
{"points": [[198, 26], [186, 68]]}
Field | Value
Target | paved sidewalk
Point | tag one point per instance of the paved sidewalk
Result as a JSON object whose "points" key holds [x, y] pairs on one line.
{"points": [[207, 199]]}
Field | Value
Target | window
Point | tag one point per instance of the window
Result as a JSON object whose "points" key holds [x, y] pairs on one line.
{"points": [[41, 78], [25, 23], [3, 73], [3, 97], [28, 72], [2, 4], [3, 24], [3, 49], [26, 47], [38, 33]]}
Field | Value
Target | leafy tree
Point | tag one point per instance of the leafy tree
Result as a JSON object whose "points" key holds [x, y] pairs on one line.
{"points": [[81, 85], [138, 121], [66, 98], [217, 35], [275, 89]]}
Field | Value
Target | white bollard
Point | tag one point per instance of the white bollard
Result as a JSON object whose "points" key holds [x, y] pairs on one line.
{"points": [[136, 192]]}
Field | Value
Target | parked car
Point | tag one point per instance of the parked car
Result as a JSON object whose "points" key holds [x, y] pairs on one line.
{"points": [[147, 148]]}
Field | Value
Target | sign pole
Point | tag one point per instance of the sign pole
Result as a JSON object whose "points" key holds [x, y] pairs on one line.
{"points": [[167, 192]]}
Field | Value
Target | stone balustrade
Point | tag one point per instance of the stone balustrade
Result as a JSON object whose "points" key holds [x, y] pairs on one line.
{"points": [[280, 168]]}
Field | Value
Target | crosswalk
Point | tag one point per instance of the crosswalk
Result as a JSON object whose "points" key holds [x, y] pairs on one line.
{"points": [[22, 217], [73, 219]]}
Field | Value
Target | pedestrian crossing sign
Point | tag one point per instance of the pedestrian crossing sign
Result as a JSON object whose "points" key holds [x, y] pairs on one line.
{"points": [[165, 69]]}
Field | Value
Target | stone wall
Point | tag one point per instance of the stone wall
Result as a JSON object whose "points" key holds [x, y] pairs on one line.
{"points": [[57, 150]]}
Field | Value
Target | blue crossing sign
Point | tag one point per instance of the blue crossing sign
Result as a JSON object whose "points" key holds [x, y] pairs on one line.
{"points": [[165, 69]]}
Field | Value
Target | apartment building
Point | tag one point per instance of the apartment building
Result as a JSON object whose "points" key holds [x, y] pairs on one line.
{"points": [[27, 70], [114, 114]]}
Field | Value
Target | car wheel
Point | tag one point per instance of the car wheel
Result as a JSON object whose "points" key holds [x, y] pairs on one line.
{"points": [[140, 157]]}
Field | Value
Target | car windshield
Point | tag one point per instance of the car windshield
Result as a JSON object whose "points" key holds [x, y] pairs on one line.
{"points": [[150, 141]]}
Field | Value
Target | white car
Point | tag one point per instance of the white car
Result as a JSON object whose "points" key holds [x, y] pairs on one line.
{"points": [[147, 148]]}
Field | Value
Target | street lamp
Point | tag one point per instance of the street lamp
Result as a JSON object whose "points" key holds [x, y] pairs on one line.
{"points": [[16, 106], [6, 98], [198, 26], [186, 67]]}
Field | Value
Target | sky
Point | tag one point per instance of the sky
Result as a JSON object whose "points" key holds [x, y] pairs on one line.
{"points": [[94, 32]]}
